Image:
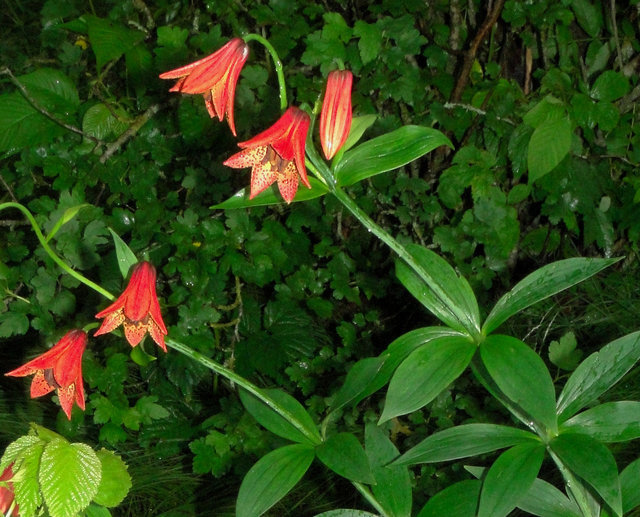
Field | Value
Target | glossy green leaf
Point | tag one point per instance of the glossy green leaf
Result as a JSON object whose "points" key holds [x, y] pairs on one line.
{"points": [[549, 144], [522, 377], [115, 482], [345, 512], [449, 297], [268, 418], [358, 380], [425, 373], [387, 152], [610, 86], [344, 455], [630, 486], [272, 197], [358, 126], [271, 478], [590, 460], [393, 483], [597, 373], [69, 477], [509, 479], [457, 500], [545, 500], [463, 441], [609, 422], [126, 257], [542, 283]]}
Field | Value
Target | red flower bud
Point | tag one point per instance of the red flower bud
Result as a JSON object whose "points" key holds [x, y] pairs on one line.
{"points": [[335, 118]]}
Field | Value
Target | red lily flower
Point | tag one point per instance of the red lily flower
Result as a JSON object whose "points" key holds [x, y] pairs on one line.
{"points": [[6, 493], [215, 77], [59, 369], [335, 117], [276, 154], [137, 309]]}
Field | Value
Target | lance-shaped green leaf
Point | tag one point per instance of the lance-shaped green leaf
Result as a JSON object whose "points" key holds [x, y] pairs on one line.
{"points": [[68, 215], [425, 373], [358, 380], [542, 283], [126, 257], [521, 375], [274, 422], [358, 126], [630, 486], [387, 152], [597, 373], [509, 479], [463, 441], [591, 461], [393, 483], [345, 512], [343, 454], [609, 422], [545, 500], [271, 478], [448, 296], [69, 477], [269, 197], [457, 500]]}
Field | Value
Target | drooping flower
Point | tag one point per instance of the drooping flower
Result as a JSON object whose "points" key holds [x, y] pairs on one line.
{"points": [[215, 77], [276, 154], [6, 493], [59, 369], [335, 117], [136, 309]]}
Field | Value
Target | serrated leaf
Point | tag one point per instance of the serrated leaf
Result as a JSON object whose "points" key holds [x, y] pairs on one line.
{"points": [[271, 478], [115, 482], [16, 448], [99, 121], [344, 455], [387, 152], [563, 353], [110, 40], [549, 144], [69, 477], [27, 489], [125, 256]]}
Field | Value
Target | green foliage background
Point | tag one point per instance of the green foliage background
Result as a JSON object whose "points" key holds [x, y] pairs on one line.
{"points": [[545, 167]]}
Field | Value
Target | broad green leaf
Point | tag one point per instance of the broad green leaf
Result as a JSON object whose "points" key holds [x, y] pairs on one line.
{"points": [[110, 40], [630, 486], [509, 479], [522, 377], [268, 418], [359, 378], [425, 373], [271, 478], [588, 16], [549, 144], [68, 215], [463, 441], [609, 422], [344, 512], [591, 461], [387, 152], [597, 373], [548, 109], [610, 86], [393, 483], [457, 500], [545, 500], [69, 477], [126, 257], [270, 196], [343, 454], [16, 448], [542, 283], [101, 121], [116, 481], [27, 489], [93, 510], [448, 296]]}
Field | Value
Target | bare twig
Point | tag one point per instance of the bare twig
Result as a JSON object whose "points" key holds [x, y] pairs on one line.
{"points": [[25, 93], [130, 132], [8, 189], [473, 109], [614, 25]]}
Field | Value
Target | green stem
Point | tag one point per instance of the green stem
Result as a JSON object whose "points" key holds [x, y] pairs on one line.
{"points": [[276, 63], [402, 252], [574, 486], [366, 493], [52, 254], [244, 383]]}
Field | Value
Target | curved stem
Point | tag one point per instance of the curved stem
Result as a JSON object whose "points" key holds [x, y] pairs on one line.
{"points": [[53, 254], [276, 63], [244, 383], [366, 493]]}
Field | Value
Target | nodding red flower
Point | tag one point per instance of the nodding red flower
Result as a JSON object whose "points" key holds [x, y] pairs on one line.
{"points": [[215, 77], [6, 493], [59, 369], [276, 154], [137, 309], [335, 117]]}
